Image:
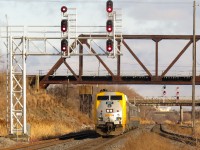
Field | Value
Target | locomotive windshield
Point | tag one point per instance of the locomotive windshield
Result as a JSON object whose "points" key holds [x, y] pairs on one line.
{"points": [[112, 97], [103, 98], [116, 97]]}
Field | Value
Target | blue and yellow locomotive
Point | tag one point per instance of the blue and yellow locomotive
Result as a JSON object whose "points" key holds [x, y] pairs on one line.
{"points": [[114, 114]]}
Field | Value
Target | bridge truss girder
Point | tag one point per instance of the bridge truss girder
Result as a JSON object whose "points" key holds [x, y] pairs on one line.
{"points": [[118, 78]]}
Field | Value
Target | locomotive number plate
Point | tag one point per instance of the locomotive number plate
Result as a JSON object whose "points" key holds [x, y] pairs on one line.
{"points": [[108, 115]]}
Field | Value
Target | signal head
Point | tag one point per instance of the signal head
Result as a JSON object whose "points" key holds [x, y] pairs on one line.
{"points": [[63, 9], [109, 45], [109, 26], [64, 45], [64, 24], [109, 6]]}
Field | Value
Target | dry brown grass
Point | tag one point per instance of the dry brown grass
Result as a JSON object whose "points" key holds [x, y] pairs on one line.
{"points": [[3, 129], [168, 122], [45, 130], [146, 121], [49, 117], [185, 129], [151, 141], [197, 128], [179, 129]]}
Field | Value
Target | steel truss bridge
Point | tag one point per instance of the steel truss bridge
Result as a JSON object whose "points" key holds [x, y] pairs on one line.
{"points": [[22, 42], [164, 102], [117, 77]]}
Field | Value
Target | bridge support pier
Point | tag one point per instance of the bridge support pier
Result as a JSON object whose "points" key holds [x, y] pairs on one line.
{"points": [[85, 95], [181, 114], [86, 104], [37, 86]]}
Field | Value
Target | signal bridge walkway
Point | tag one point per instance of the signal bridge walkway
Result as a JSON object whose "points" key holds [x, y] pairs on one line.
{"points": [[164, 101]]}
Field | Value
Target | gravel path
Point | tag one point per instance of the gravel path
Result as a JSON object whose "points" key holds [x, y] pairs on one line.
{"points": [[6, 142]]}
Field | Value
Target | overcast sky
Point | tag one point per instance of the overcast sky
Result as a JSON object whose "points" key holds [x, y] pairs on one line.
{"points": [[139, 17]]}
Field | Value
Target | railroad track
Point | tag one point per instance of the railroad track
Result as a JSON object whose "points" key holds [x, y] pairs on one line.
{"points": [[53, 142], [109, 142], [100, 143], [94, 142], [84, 141], [174, 136]]}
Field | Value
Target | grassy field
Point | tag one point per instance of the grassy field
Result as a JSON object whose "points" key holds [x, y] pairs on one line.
{"points": [[152, 141], [185, 128]]}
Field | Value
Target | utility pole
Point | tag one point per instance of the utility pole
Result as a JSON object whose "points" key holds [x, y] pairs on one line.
{"points": [[7, 76], [193, 69]]}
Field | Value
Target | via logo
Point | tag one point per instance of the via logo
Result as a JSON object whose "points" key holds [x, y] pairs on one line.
{"points": [[109, 104]]}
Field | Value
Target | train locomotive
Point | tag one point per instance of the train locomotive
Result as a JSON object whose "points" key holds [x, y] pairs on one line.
{"points": [[114, 114]]}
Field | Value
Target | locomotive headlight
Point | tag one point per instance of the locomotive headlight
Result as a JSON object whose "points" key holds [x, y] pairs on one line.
{"points": [[109, 110]]}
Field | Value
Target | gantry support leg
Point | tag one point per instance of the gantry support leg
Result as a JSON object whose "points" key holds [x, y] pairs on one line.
{"points": [[17, 65]]}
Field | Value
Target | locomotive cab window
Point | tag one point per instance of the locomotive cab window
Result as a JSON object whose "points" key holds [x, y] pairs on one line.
{"points": [[116, 97], [103, 98]]}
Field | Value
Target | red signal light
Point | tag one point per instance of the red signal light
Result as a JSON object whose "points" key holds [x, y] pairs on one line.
{"points": [[109, 6], [64, 24], [109, 45], [63, 9], [109, 25], [64, 45]]}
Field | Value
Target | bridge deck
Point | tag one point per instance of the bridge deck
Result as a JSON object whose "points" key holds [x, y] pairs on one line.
{"points": [[169, 80]]}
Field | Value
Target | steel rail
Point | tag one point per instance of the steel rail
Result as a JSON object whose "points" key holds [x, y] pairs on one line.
{"points": [[53, 142], [158, 128]]}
